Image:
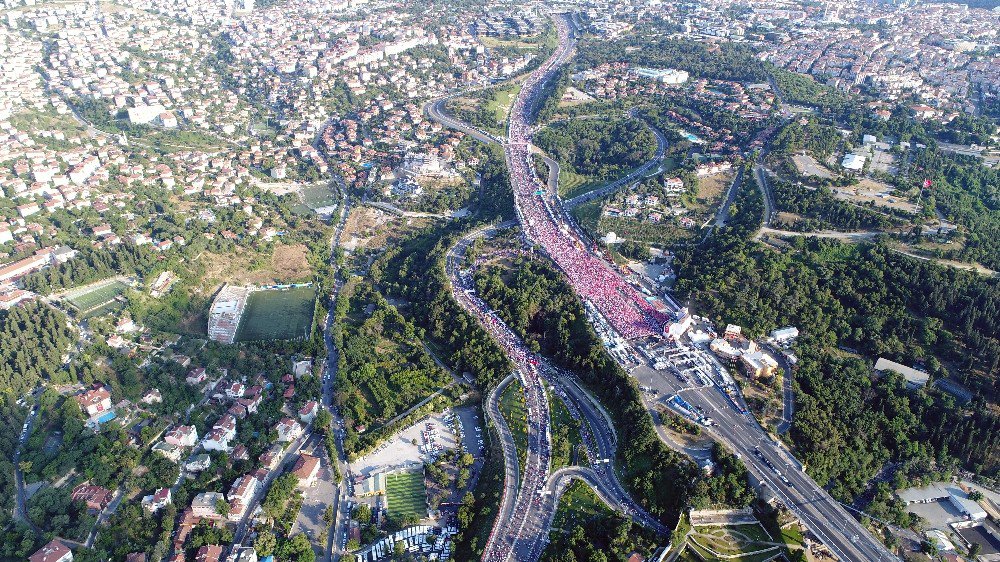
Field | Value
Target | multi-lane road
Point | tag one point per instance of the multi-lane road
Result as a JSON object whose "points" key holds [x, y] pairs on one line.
{"points": [[769, 462], [531, 497]]}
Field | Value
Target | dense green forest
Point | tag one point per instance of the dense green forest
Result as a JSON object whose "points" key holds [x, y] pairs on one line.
{"points": [[92, 265], [967, 193], [586, 530], [880, 303], [726, 61], [383, 369], [598, 148], [35, 337]]}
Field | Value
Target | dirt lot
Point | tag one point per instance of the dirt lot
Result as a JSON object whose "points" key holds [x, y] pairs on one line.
{"points": [[807, 166], [710, 190], [287, 264], [871, 191], [368, 227]]}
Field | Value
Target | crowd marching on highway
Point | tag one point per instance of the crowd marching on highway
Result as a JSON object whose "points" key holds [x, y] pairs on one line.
{"points": [[592, 277]]}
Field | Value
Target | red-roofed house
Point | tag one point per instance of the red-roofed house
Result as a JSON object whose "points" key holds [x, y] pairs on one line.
{"points": [[54, 551], [95, 400], [306, 468], [209, 553], [96, 497], [308, 411]]}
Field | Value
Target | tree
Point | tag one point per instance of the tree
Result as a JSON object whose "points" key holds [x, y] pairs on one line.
{"points": [[297, 549], [399, 549], [974, 550], [363, 514], [265, 544], [222, 507]]}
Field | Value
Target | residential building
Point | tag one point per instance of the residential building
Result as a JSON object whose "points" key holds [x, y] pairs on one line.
{"points": [[95, 400], [306, 469], [157, 500], [203, 505], [182, 436], [53, 551], [288, 430]]}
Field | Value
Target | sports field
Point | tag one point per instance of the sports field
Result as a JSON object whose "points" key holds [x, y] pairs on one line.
{"points": [[406, 495], [95, 296], [279, 314]]}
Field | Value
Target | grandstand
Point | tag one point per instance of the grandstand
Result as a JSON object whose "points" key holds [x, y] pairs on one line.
{"points": [[227, 309]]}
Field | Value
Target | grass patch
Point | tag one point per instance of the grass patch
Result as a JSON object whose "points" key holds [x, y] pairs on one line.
{"points": [[566, 440], [512, 408], [406, 495], [746, 543], [278, 315]]}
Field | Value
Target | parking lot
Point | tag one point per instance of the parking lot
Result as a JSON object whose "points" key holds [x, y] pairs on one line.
{"points": [[316, 499], [414, 445]]}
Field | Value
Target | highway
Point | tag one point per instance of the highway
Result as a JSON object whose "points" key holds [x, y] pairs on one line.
{"points": [[822, 515], [528, 506]]}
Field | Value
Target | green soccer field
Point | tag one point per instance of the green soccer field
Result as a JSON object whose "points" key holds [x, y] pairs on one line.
{"points": [[406, 495], [89, 299], [277, 315]]}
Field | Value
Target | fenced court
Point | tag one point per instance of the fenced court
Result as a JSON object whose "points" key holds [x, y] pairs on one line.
{"points": [[406, 495], [92, 298], [278, 314]]}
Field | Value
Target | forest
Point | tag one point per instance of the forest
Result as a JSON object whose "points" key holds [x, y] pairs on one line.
{"points": [[383, 369], [966, 192], [35, 338], [726, 61], [872, 302], [598, 148], [803, 89]]}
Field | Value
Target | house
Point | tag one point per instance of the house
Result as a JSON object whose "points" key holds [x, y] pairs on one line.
{"points": [[235, 390], [96, 497], [288, 430], [172, 452], [270, 458], [301, 368], [198, 463], [95, 400], [759, 365], [785, 335], [125, 325], [54, 551], [152, 397], [196, 375], [251, 403], [240, 453], [244, 554], [306, 468], [241, 494], [203, 505], [209, 553], [157, 500], [308, 411], [182, 436], [217, 440]]}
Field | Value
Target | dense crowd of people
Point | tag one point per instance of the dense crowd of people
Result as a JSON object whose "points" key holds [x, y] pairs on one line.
{"points": [[594, 279]]}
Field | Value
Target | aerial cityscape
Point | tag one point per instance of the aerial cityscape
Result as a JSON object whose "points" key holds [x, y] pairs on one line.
{"points": [[457, 280]]}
